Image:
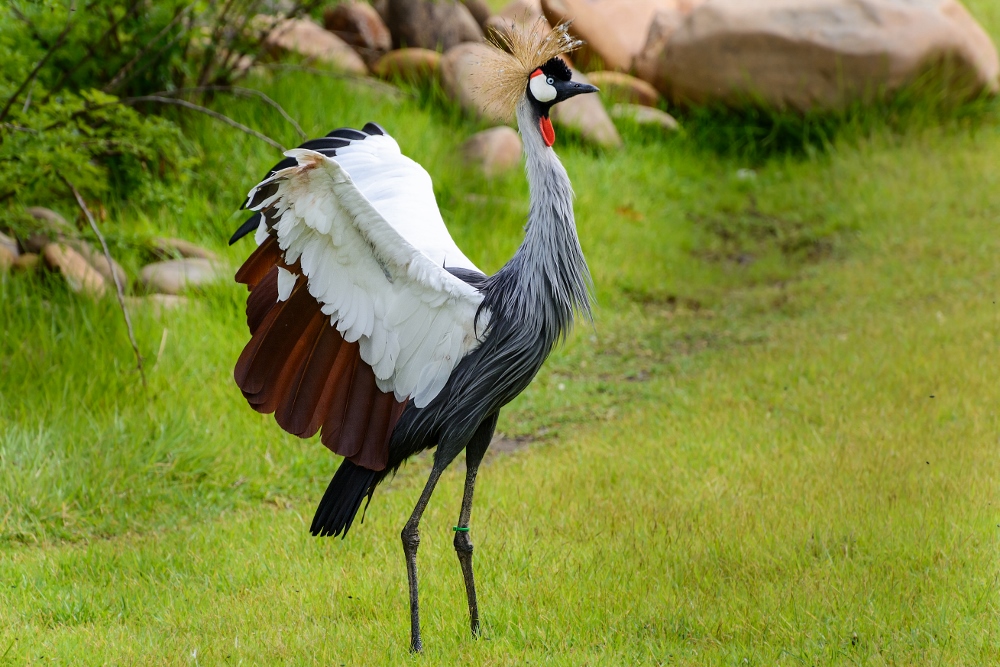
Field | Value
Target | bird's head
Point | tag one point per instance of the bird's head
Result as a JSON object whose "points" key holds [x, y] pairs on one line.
{"points": [[527, 66], [547, 86]]}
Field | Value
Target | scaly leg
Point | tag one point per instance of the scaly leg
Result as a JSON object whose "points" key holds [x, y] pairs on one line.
{"points": [[411, 540], [474, 453]]}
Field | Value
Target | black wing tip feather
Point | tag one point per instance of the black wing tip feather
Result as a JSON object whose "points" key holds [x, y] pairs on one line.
{"points": [[340, 504], [328, 146], [252, 223]]}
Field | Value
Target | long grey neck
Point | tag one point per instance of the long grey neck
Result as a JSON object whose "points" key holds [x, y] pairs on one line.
{"points": [[549, 268]]}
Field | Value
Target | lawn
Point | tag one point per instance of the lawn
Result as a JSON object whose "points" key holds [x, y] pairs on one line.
{"points": [[777, 444]]}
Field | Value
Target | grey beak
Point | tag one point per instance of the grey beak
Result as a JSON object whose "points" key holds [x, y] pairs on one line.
{"points": [[574, 88]]}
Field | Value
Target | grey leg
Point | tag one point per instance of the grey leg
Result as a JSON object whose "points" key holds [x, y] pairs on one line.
{"points": [[411, 540], [474, 453], [463, 547]]}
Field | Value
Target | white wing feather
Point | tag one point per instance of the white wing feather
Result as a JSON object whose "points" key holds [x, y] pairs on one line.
{"points": [[414, 321]]}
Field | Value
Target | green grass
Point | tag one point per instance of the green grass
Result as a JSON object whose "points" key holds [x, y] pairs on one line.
{"points": [[776, 446]]}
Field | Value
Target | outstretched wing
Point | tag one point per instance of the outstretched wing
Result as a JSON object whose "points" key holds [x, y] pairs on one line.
{"points": [[349, 317]]}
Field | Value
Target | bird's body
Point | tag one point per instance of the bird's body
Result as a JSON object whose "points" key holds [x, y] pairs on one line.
{"points": [[395, 342]]}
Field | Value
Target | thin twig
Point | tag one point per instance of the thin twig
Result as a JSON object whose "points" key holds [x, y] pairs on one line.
{"points": [[116, 79], [114, 274], [196, 107], [246, 92], [41, 63]]}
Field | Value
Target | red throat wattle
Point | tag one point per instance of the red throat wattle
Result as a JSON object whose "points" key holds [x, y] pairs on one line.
{"points": [[548, 134]]}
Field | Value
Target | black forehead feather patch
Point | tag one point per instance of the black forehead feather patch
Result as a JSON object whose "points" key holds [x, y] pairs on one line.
{"points": [[557, 69]]}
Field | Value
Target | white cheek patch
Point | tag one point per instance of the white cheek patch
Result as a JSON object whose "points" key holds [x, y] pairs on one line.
{"points": [[541, 90]]}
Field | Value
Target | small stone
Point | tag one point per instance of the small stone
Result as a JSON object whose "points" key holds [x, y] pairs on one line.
{"points": [[430, 24], [173, 276], [625, 88], [10, 244], [311, 40], [50, 226], [97, 260], [586, 115], [157, 302], [494, 151], [169, 248], [414, 66], [7, 258], [79, 274], [644, 115], [359, 25], [27, 262]]}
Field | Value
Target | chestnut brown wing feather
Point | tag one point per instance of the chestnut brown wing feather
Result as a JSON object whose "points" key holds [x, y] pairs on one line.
{"points": [[298, 366]]}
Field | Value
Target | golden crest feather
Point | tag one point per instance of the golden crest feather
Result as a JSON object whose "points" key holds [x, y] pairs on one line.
{"points": [[516, 52]]}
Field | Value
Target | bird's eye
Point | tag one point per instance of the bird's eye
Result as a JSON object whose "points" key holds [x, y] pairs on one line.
{"points": [[550, 81]]}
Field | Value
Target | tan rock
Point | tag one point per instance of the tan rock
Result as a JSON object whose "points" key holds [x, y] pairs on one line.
{"points": [[10, 244], [27, 262], [462, 78], [416, 66], [169, 248], [493, 151], [586, 115], [665, 24], [480, 11], [808, 54], [96, 259], [614, 30], [7, 258], [358, 24], [174, 276], [311, 40], [157, 303], [79, 274], [431, 24], [621, 86], [644, 115], [522, 11]]}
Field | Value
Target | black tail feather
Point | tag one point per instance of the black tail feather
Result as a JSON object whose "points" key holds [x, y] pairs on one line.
{"points": [[340, 503]]}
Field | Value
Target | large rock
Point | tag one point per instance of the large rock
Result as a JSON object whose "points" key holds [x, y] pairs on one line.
{"points": [[521, 15], [480, 11], [416, 66], [79, 274], [614, 30], [311, 40], [620, 86], [176, 275], [585, 114], [358, 24], [493, 151], [808, 54], [665, 24], [430, 24], [463, 78]]}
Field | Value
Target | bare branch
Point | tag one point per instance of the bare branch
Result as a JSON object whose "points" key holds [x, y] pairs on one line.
{"points": [[129, 101], [245, 92], [114, 274], [41, 63]]}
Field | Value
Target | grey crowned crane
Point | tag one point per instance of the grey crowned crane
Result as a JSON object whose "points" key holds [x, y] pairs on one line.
{"points": [[367, 322]]}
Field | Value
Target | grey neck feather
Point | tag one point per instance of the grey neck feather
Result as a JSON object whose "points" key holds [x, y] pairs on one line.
{"points": [[548, 275]]}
